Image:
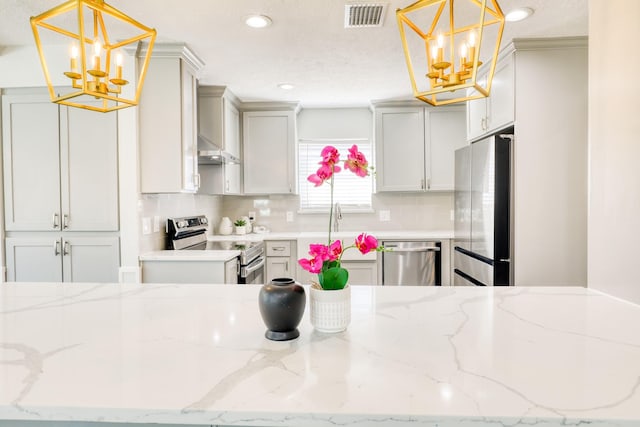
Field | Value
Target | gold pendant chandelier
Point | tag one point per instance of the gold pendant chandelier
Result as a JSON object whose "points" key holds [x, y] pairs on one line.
{"points": [[447, 42], [96, 36]]}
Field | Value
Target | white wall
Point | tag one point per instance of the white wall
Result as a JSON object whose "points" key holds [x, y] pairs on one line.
{"points": [[614, 152]]}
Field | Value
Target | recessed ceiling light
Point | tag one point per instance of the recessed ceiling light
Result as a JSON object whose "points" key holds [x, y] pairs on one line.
{"points": [[257, 21], [519, 14], [286, 86]]}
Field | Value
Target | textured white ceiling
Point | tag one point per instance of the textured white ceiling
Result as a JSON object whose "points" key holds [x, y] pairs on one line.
{"points": [[307, 44]]}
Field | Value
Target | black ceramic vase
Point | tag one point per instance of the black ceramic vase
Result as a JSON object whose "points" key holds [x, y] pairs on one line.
{"points": [[282, 305]]}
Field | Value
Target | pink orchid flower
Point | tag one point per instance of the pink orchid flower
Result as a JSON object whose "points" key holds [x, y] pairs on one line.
{"points": [[313, 265], [366, 243], [356, 162], [330, 155], [323, 174], [335, 250], [317, 250]]}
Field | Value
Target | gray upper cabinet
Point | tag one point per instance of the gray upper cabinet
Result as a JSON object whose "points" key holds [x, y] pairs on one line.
{"points": [[444, 134], [219, 119], [400, 149], [60, 166], [219, 124], [167, 120], [269, 160], [415, 147], [486, 115]]}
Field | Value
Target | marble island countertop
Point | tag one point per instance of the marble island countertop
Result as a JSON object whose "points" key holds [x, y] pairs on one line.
{"points": [[429, 356]]}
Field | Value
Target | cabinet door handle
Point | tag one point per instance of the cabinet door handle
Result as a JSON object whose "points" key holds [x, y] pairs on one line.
{"points": [[196, 180], [65, 248], [65, 221], [286, 266], [56, 248], [227, 186], [422, 184], [278, 248], [428, 183], [290, 190], [56, 222]]}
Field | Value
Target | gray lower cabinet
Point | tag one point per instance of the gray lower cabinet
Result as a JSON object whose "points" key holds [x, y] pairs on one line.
{"points": [[56, 258], [281, 259], [197, 271], [362, 272]]}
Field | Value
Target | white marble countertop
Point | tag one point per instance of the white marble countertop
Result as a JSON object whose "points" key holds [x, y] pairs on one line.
{"points": [[293, 235], [170, 255], [429, 356]]}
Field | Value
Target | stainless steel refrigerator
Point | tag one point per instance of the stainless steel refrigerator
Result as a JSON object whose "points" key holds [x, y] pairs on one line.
{"points": [[482, 244]]}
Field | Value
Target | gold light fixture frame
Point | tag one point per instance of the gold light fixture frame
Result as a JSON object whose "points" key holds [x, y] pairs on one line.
{"points": [[439, 82], [91, 82]]}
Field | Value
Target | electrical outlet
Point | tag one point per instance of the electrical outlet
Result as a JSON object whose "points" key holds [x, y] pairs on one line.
{"points": [[146, 225], [252, 215], [289, 216], [385, 215], [156, 223]]}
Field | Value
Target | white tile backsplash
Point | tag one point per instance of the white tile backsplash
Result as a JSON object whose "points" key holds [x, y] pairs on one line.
{"points": [[408, 211], [174, 205]]}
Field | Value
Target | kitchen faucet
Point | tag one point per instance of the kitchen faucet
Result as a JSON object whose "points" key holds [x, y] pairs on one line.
{"points": [[337, 217]]}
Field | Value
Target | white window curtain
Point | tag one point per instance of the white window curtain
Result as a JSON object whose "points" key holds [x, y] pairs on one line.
{"points": [[351, 191]]}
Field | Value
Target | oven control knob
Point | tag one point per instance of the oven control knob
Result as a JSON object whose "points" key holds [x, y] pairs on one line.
{"points": [[182, 224], [203, 221]]}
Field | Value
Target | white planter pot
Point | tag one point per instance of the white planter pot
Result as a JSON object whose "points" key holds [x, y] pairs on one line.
{"points": [[330, 310], [240, 229]]}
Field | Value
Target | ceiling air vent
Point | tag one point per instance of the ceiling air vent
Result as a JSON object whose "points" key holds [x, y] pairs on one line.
{"points": [[358, 15]]}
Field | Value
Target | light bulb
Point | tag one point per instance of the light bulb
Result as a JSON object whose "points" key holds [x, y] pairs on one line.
{"points": [[434, 53], [119, 59], [463, 50], [472, 39], [74, 52], [440, 40], [97, 47]]}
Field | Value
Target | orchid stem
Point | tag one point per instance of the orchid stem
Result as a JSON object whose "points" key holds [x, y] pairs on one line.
{"points": [[330, 210]]}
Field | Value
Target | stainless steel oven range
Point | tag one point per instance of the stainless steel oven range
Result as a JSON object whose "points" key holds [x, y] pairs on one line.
{"points": [[189, 233]]}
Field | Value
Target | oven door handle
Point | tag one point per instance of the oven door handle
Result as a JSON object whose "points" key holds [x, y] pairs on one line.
{"points": [[257, 264]]}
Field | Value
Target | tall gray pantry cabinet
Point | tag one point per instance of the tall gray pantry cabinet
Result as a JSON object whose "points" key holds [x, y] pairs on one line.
{"points": [[60, 172]]}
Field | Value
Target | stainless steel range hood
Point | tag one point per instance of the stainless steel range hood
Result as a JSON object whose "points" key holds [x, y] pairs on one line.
{"points": [[211, 154]]}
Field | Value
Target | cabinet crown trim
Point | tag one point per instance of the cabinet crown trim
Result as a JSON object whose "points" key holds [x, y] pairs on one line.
{"points": [[218, 92], [172, 50], [270, 106]]}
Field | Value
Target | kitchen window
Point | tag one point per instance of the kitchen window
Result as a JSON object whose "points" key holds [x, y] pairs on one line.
{"points": [[351, 191]]}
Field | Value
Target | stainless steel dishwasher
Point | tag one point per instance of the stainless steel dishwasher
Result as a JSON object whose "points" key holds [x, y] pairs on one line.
{"points": [[414, 263]]}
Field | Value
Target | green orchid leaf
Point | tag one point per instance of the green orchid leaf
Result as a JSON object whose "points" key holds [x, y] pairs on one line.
{"points": [[333, 278]]}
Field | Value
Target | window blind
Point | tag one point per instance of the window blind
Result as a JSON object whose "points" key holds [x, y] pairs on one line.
{"points": [[351, 191]]}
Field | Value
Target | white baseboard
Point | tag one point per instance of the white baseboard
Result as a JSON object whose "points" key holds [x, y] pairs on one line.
{"points": [[130, 274]]}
